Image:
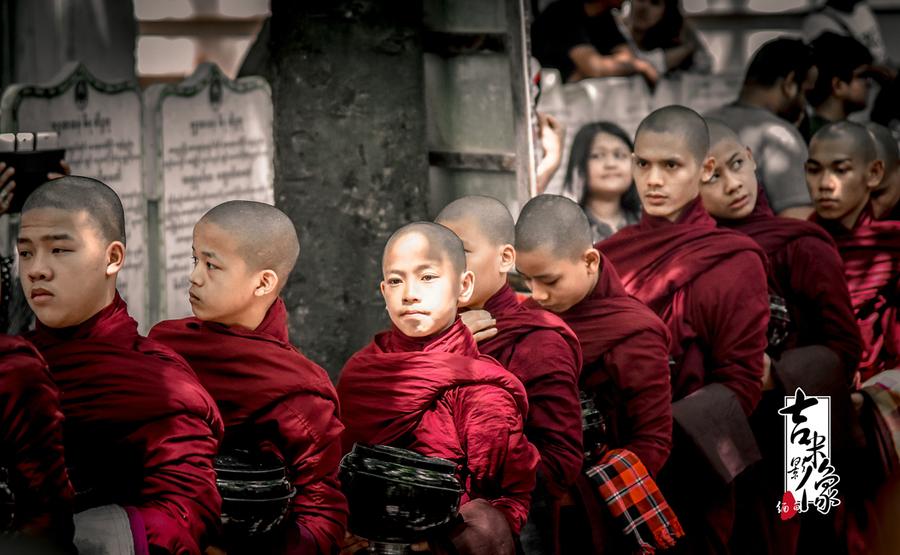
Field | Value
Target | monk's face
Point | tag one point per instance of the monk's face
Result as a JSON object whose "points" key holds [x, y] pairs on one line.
{"points": [[489, 261], [421, 288], [731, 191], [839, 178], [557, 282], [887, 195], [223, 287], [667, 175], [67, 269]]}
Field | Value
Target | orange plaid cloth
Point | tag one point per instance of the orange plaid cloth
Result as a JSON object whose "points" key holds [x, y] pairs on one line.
{"points": [[635, 501]]}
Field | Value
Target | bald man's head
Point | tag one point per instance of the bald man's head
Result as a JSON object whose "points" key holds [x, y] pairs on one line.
{"points": [[492, 218], [266, 238], [74, 193], [555, 224], [443, 243], [853, 136], [886, 148], [719, 131], [682, 122]]}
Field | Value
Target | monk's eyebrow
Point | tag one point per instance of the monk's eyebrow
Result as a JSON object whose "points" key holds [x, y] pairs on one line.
{"points": [[733, 156], [841, 160], [50, 237], [208, 254]]}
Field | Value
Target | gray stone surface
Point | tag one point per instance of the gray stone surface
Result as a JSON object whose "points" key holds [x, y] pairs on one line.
{"points": [[351, 160]]}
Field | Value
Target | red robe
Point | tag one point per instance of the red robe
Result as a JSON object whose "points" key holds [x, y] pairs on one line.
{"points": [[871, 254], [31, 443], [806, 270], [626, 362], [268, 391], [709, 286], [439, 397], [140, 431], [541, 350]]}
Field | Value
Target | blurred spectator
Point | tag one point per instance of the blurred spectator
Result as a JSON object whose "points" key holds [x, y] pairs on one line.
{"points": [[886, 109], [598, 177], [850, 18], [658, 32], [771, 102], [581, 39], [842, 86]]}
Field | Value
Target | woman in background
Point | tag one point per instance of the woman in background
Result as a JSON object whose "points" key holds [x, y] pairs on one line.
{"points": [[598, 177], [659, 34]]}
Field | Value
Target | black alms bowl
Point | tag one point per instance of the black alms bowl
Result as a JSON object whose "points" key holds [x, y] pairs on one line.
{"points": [[398, 496], [256, 494]]}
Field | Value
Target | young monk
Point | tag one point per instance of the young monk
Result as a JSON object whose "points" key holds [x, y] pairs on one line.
{"points": [[271, 397], [626, 364], [140, 431], [424, 386], [886, 196], [842, 171], [536, 346], [31, 446], [814, 342], [709, 287]]}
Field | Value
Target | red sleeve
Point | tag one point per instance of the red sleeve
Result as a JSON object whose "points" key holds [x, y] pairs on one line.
{"points": [[308, 436], [501, 464], [639, 367], [180, 499], [32, 449], [732, 304], [546, 365], [817, 280]]}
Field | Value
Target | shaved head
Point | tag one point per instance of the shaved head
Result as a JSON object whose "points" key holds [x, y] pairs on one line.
{"points": [[443, 242], [854, 135], [491, 216], [553, 223], [680, 121], [266, 237], [886, 148], [74, 193], [719, 131]]}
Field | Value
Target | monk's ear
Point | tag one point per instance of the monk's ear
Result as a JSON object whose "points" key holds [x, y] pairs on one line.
{"points": [[875, 174], [115, 258], [268, 283], [507, 258], [707, 169], [467, 287], [591, 259], [751, 159]]}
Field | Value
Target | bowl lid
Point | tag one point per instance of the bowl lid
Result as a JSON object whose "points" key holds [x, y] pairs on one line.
{"points": [[406, 457]]}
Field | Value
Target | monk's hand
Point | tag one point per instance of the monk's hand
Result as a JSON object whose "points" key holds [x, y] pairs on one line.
{"points": [[485, 530], [421, 547], [857, 380], [352, 544], [212, 550], [768, 383], [480, 323], [67, 170], [6, 186]]}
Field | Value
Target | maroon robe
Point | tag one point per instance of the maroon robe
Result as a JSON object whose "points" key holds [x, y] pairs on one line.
{"points": [[31, 443], [626, 364], [439, 397], [140, 431], [541, 350], [709, 286], [271, 395], [871, 254], [806, 270]]}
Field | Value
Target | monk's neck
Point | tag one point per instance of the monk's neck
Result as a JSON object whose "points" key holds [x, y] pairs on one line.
{"points": [[757, 97], [104, 303], [249, 319], [849, 221]]}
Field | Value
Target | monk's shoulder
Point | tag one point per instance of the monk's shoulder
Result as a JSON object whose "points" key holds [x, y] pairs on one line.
{"points": [[167, 328], [21, 365]]}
